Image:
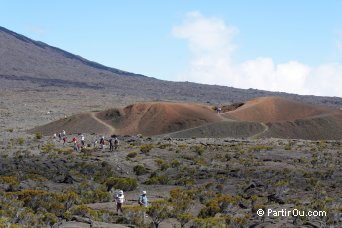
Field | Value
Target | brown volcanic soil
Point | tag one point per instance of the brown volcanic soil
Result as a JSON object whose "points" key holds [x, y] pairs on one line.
{"points": [[327, 126], [79, 123], [262, 117], [154, 118], [275, 109], [223, 129]]}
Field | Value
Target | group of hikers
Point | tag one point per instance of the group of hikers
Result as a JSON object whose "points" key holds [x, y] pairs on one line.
{"points": [[113, 141], [113, 145], [120, 200]]}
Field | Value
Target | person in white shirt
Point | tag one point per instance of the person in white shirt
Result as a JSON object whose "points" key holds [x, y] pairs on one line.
{"points": [[120, 199], [82, 140]]}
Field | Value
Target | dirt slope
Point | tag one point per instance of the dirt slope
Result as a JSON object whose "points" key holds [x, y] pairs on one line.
{"points": [[275, 109], [262, 117], [223, 129], [80, 123], [316, 128], [154, 118]]}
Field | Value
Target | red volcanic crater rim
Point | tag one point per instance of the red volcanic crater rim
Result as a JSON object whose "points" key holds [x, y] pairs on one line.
{"points": [[275, 109], [153, 118]]}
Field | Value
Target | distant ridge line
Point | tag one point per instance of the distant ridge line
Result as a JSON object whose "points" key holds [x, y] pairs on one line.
{"points": [[69, 55]]}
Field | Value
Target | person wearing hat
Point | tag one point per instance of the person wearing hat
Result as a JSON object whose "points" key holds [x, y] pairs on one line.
{"points": [[143, 201], [120, 199]]}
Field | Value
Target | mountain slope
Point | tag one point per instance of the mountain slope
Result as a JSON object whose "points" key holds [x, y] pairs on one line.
{"points": [[29, 64]]}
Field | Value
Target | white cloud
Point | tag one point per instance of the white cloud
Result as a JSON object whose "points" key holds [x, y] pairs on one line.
{"points": [[211, 44]]}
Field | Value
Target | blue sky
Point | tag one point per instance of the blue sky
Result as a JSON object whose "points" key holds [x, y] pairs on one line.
{"points": [[237, 43]]}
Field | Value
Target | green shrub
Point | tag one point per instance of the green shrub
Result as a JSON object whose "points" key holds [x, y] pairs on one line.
{"points": [[216, 222], [199, 149], [185, 181], [84, 211], [164, 146], [162, 164], [158, 180], [40, 200], [21, 141], [146, 148], [134, 215], [132, 154], [182, 146], [139, 170], [184, 218], [289, 145], [49, 219], [96, 196], [10, 180], [258, 148], [125, 184], [39, 135], [218, 205], [175, 163], [47, 148], [159, 211]]}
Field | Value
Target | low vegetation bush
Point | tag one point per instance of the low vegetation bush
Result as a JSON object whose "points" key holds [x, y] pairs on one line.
{"points": [[134, 215], [99, 195], [43, 201], [84, 211], [146, 148], [10, 183], [139, 170], [164, 146], [162, 164], [47, 148], [39, 135], [125, 184], [175, 163], [209, 222], [199, 149], [258, 148], [21, 141], [163, 179], [132, 154]]}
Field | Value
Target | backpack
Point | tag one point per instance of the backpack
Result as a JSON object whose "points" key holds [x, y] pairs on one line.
{"points": [[116, 141]]}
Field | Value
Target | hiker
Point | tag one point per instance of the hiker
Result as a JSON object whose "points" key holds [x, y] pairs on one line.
{"points": [[75, 146], [119, 199], [102, 142], [95, 143], [111, 144], [143, 201], [54, 136], [60, 136], [63, 133], [116, 143], [218, 109], [64, 140], [82, 140]]}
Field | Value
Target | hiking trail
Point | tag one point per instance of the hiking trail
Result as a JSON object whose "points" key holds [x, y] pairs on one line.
{"points": [[266, 128], [111, 128]]}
